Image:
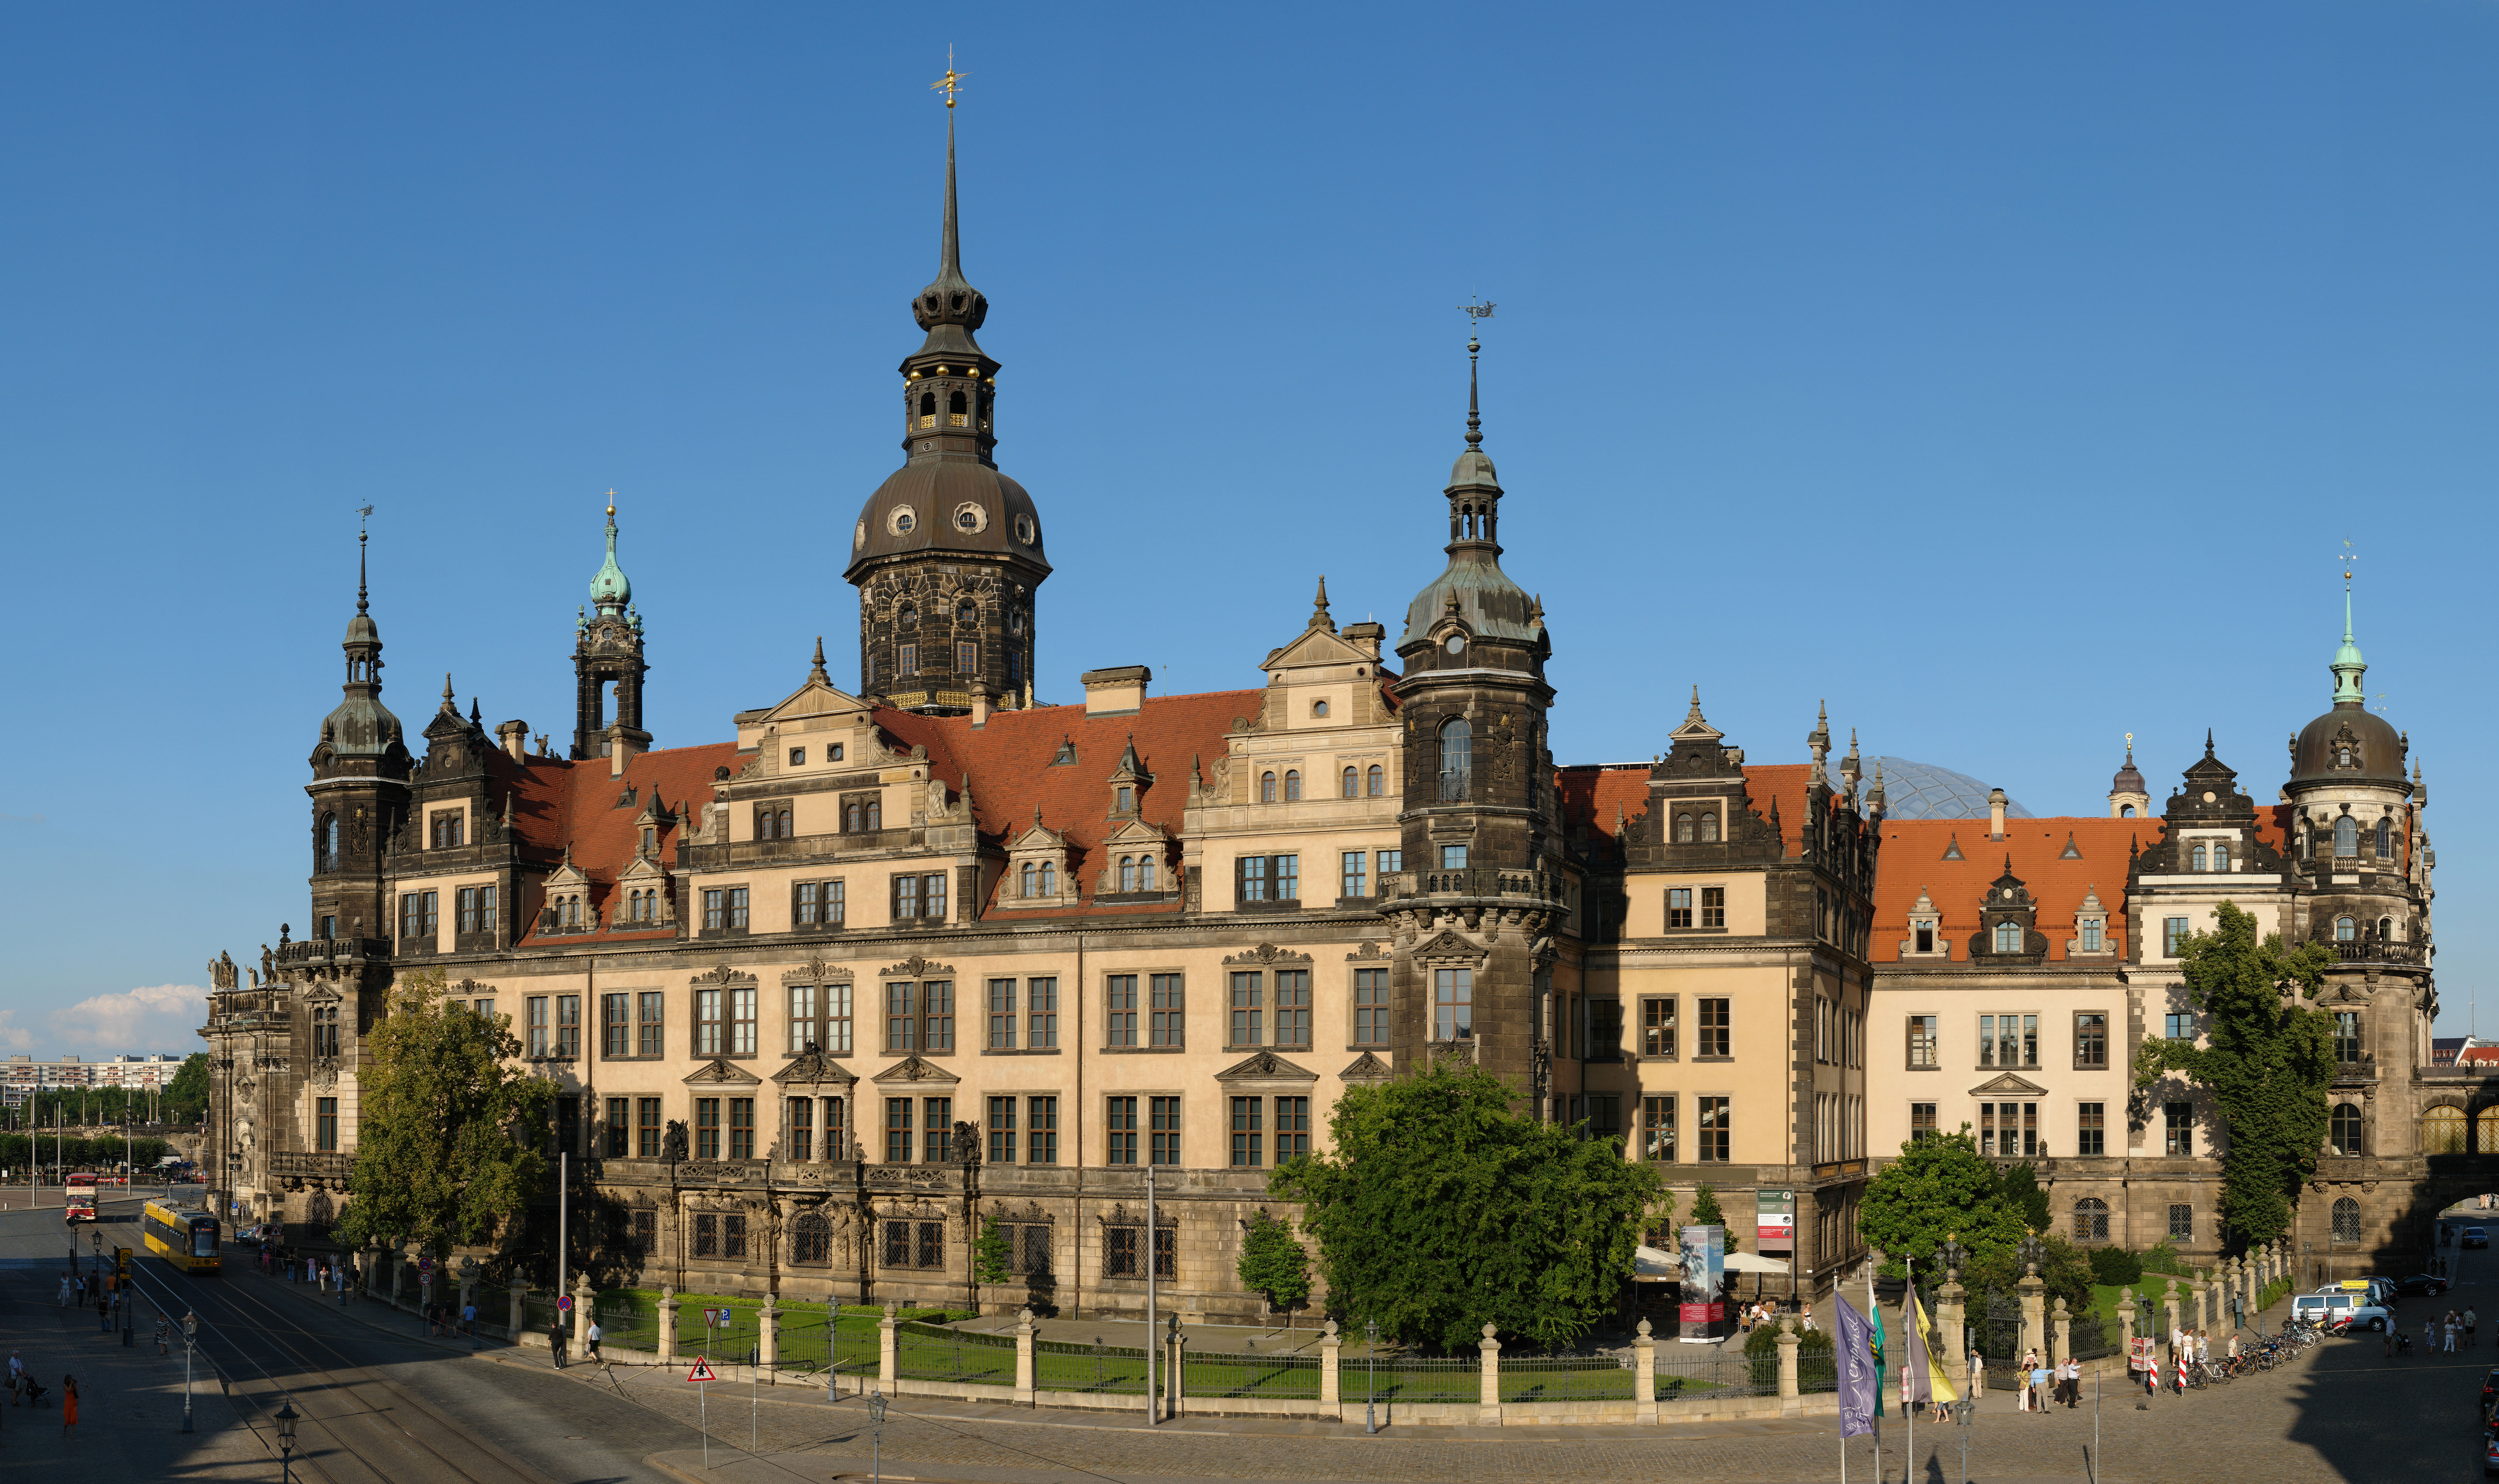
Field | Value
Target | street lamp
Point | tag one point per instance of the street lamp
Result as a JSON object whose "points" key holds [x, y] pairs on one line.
{"points": [[1954, 1254], [1962, 1411], [1371, 1359], [2034, 1252], [876, 1405], [191, 1342], [286, 1420]]}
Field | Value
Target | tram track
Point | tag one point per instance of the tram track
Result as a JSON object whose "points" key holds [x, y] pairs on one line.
{"points": [[375, 1430]]}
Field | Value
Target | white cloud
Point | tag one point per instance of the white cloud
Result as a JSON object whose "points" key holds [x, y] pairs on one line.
{"points": [[161, 1018], [12, 1038]]}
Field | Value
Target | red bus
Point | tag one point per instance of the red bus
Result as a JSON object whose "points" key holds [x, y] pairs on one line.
{"points": [[79, 1204]]}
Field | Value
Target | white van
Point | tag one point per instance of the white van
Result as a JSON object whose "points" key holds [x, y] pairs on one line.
{"points": [[2327, 1307]]}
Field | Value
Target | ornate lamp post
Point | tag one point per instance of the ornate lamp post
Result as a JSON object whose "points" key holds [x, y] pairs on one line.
{"points": [[1954, 1254], [2033, 1252], [286, 1420], [876, 1405], [191, 1342], [1371, 1359], [1962, 1411]]}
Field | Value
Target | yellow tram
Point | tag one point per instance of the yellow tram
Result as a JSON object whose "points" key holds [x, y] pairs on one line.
{"points": [[185, 1238]]}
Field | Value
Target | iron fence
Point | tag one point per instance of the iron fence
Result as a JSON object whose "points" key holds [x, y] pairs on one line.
{"points": [[927, 1352], [1415, 1378], [1060, 1364], [1565, 1378], [1721, 1370], [1283, 1376]]}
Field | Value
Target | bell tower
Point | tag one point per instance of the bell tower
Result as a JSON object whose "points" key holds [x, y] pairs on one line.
{"points": [[607, 650], [360, 771]]}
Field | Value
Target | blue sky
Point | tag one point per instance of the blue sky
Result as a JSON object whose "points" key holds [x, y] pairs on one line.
{"points": [[2007, 376]]}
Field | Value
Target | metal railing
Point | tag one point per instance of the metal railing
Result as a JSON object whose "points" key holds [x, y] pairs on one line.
{"points": [[1565, 1378], [1415, 1379], [1106, 1369], [928, 1352], [1283, 1376]]}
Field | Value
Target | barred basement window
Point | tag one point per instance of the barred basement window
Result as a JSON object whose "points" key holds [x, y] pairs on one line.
{"points": [[2091, 1219], [1120, 1256], [646, 1232], [811, 1239], [733, 1236], [2347, 1219], [2182, 1223], [706, 1235]]}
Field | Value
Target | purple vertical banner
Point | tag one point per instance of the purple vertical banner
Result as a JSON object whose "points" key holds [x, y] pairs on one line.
{"points": [[1856, 1372]]}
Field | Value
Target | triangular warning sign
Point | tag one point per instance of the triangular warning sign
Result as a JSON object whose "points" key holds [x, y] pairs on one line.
{"points": [[701, 1371]]}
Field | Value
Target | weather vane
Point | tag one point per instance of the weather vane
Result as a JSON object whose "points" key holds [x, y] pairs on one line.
{"points": [[953, 80], [364, 513], [2349, 557], [1478, 309]]}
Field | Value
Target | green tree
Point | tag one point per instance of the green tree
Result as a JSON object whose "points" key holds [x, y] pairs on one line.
{"points": [[186, 1096], [1274, 1264], [2267, 1060], [2064, 1271], [1439, 1208], [989, 1254], [1705, 1212], [447, 1137], [1940, 1186], [2018, 1185]]}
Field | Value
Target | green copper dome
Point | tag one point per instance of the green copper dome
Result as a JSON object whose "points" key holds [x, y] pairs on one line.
{"points": [[610, 588]]}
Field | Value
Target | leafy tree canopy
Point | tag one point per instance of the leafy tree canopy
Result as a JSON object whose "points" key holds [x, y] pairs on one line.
{"points": [[2064, 1270], [1441, 1208], [447, 1138], [991, 1255], [186, 1096], [1940, 1186], [1273, 1263], [2018, 1185], [2267, 1060]]}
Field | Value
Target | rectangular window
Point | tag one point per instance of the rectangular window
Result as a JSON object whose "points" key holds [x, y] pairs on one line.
{"points": [[737, 907], [2178, 1025], [652, 1031], [2091, 1128], [2173, 936], [920, 898], [1390, 862], [617, 1128], [802, 1016], [1041, 1014], [1119, 1251], [715, 916], [707, 1128], [1293, 1129], [1041, 1131], [1711, 1140], [615, 1025], [816, 904], [1165, 1115], [901, 1026], [1120, 1122], [1716, 1028], [741, 1128], [1002, 1014], [646, 1232], [1356, 881], [1605, 1030], [538, 1017], [1453, 858], [1249, 1010], [467, 900], [2008, 1130], [1922, 1040], [706, 1235], [2094, 936], [968, 657], [2091, 1040], [1249, 879], [567, 1027], [709, 1035], [906, 898], [2346, 1035], [802, 1128], [1714, 906], [897, 1244], [2008, 1041], [1922, 1122], [733, 1236], [2178, 1130], [937, 1129], [1293, 1007], [937, 1015], [1249, 1133], [897, 1131], [1678, 907], [1657, 1027], [1453, 1004], [1657, 1129], [2182, 1223], [325, 1125], [646, 1128], [836, 904], [1002, 1131], [838, 1132], [907, 657], [1371, 1006], [1164, 1010], [1120, 1010]]}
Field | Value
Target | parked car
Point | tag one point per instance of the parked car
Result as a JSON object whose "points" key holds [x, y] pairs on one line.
{"points": [[2429, 1283], [2476, 1237], [2489, 1389], [2340, 1306]]}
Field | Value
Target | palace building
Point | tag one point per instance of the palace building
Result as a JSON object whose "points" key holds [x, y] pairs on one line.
{"points": [[873, 967]]}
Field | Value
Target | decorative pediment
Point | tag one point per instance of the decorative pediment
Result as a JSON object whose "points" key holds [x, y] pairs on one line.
{"points": [[1266, 1067], [1366, 1067], [1268, 953], [813, 1068], [1318, 645], [815, 971], [644, 871], [724, 976], [1368, 952], [1037, 836], [468, 989], [1121, 1215], [2008, 1086], [917, 967], [717, 1072], [1446, 947], [567, 874], [1135, 833], [911, 1069]]}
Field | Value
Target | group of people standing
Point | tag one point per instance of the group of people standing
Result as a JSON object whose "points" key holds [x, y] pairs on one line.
{"points": [[2441, 1334], [2037, 1385]]}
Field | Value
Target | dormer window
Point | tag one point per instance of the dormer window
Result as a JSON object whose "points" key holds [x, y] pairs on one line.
{"points": [[2095, 932], [1040, 879], [2009, 937], [1925, 936], [1123, 798], [650, 839], [2197, 856]]}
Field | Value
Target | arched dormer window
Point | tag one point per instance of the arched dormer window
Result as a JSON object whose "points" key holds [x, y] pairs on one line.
{"points": [[2009, 937], [2345, 930], [1266, 788], [1123, 797], [2347, 837], [1292, 786], [1379, 782], [1048, 878], [1351, 783], [1457, 759], [2221, 858], [2343, 758], [1684, 832], [1708, 826], [2197, 862], [1145, 872], [2386, 839], [1128, 873], [1028, 876]]}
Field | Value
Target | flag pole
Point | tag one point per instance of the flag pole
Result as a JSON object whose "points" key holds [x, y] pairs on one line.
{"points": [[1908, 1357]]}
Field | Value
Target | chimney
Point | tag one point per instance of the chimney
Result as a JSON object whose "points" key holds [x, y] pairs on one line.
{"points": [[1366, 637], [514, 738], [1116, 692], [619, 749], [1995, 814], [980, 709]]}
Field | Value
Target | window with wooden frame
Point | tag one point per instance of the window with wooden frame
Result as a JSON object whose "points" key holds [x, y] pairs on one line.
{"points": [[711, 1026], [1248, 1009], [1119, 1131], [798, 1116], [707, 1128], [1041, 1130], [817, 904], [1002, 1014], [1041, 1014], [646, 1128], [919, 897], [741, 1128], [1657, 1129], [1922, 1122], [1371, 1006], [862, 813], [1120, 1010], [2091, 1040], [1657, 1026], [1715, 1031], [937, 1130], [897, 1131], [1166, 1007]]}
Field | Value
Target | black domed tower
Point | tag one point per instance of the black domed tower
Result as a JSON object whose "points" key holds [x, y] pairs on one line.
{"points": [[1481, 898], [947, 554], [359, 789]]}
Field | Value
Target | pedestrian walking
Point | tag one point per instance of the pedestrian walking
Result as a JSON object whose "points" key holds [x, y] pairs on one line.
{"points": [[468, 1317], [69, 1402], [554, 1339], [16, 1376], [1977, 1372], [594, 1339]]}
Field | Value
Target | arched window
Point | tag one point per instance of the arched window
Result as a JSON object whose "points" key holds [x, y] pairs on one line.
{"points": [[1048, 878], [1292, 785], [854, 818], [1708, 826], [2126, 811], [2221, 858], [1457, 759], [2343, 1129], [1028, 877], [786, 831], [1353, 783], [2345, 930], [1319, 708], [2485, 1131], [2343, 758], [2347, 1219], [1128, 873], [875, 813], [1145, 872], [927, 406], [2386, 839], [2442, 1131], [1683, 831], [1379, 780], [2347, 836], [2386, 930], [811, 1239], [955, 407], [1266, 788], [2197, 862], [2091, 1219], [326, 844], [2009, 937]]}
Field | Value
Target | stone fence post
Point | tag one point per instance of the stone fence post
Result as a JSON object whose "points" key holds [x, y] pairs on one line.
{"points": [[2061, 1341], [767, 1336], [1952, 1323], [520, 1291], [2169, 1308], [1175, 1370], [1331, 1395], [2126, 1321], [667, 1322], [1488, 1386], [1024, 1331], [583, 1296], [2034, 1311], [1789, 1385], [888, 1360], [1644, 1380]]}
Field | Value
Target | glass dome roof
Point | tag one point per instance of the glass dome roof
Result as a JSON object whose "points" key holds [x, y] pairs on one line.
{"points": [[1921, 790]]}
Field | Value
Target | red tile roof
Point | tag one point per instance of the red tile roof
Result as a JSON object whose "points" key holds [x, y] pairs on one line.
{"points": [[1591, 793], [560, 805], [1912, 861]]}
